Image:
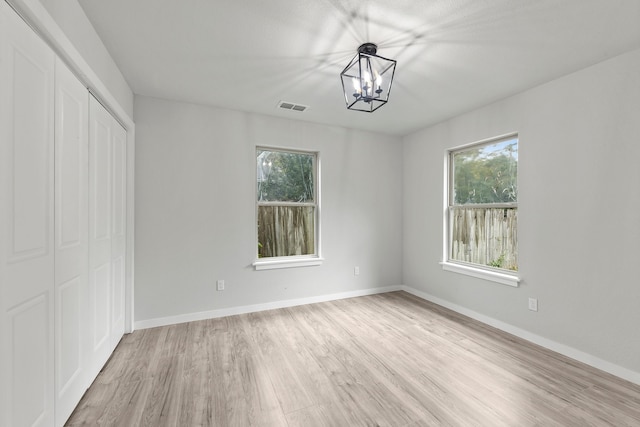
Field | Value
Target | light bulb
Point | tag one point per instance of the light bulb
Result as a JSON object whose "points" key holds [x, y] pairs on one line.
{"points": [[356, 85], [378, 80], [367, 78]]}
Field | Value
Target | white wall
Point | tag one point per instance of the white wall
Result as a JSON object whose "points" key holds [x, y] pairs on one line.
{"points": [[70, 17], [195, 209], [579, 211]]}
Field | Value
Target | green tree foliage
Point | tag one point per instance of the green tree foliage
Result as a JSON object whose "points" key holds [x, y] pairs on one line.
{"points": [[486, 174], [285, 177]]}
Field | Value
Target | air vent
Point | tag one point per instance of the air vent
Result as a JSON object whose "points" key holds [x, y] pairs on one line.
{"points": [[291, 106]]}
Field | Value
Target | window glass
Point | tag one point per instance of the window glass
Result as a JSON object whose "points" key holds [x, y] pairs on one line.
{"points": [[285, 176], [286, 203], [483, 204]]}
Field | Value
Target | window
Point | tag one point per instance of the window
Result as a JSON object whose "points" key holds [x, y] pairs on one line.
{"points": [[483, 205], [287, 207]]}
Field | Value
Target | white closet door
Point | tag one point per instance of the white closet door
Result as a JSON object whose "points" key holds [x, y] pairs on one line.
{"points": [[107, 210], [118, 235], [71, 240], [26, 225], [100, 223]]}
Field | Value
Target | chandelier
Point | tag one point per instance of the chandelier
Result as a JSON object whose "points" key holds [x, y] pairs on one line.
{"points": [[366, 81]]}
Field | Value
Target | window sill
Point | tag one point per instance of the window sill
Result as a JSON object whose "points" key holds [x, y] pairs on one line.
{"points": [[492, 276], [286, 263]]}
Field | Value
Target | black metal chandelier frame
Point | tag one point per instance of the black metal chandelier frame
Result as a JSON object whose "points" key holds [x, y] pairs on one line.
{"points": [[371, 76]]}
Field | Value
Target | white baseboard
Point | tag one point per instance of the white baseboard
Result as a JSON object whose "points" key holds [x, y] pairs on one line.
{"points": [[563, 349], [212, 314]]}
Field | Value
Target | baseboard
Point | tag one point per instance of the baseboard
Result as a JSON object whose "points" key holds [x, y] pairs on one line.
{"points": [[563, 349], [231, 311]]}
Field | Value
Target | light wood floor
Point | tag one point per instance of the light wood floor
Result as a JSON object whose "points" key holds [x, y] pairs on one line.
{"points": [[382, 360]]}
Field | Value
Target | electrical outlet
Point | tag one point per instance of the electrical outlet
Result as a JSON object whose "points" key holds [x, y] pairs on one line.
{"points": [[220, 285], [533, 304], [356, 271]]}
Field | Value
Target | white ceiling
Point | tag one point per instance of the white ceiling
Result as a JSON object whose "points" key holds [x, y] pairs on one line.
{"points": [[453, 55]]}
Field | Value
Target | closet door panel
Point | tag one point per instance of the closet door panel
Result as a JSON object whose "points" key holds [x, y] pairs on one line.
{"points": [[31, 146], [31, 402], [26, 225], [118, 242], [100, 226], [69, 338], [71, 240], [100, 304]]}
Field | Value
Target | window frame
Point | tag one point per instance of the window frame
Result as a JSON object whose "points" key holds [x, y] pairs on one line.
{"points": [[291, 260], [485, 272]]}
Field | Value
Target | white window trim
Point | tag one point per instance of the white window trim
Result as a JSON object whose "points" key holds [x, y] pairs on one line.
{"points": [[479, 272], [286, 262], [316, 259]]}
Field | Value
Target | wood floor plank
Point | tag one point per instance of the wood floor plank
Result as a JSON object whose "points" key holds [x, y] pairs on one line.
{"points": [[163, 402], [382, 360], [314, 416], [357, 383], [262, 406], [284, 371], [201, 401], [403, 379], [136, 357]]}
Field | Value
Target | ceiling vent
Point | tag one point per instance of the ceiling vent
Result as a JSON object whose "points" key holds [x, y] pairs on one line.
{"points": [[291, 106]]}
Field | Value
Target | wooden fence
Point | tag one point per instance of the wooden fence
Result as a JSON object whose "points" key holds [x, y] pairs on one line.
{"points": [[486, 236], [286, 230]]}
